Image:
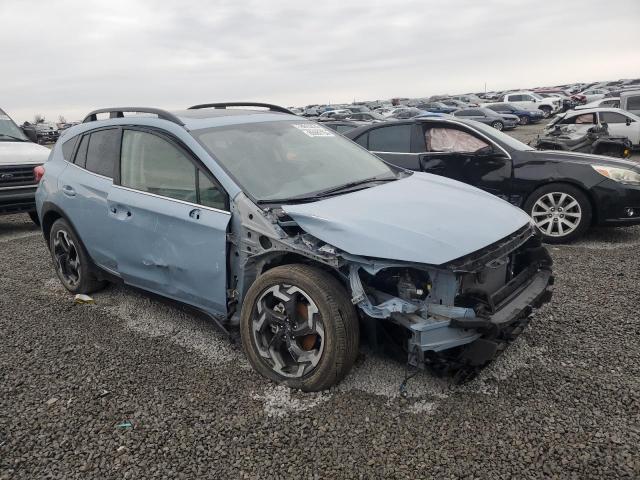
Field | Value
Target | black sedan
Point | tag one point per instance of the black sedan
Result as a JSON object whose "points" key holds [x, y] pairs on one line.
{"points": [[565, 193], [499, 121]]}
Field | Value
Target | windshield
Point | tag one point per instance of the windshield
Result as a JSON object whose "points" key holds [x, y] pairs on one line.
{"points": [[536, 96], [501, 137], [287, 159], [8, 130]]}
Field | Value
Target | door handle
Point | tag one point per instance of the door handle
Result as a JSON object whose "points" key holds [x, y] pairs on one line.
{"points": [[195, 213], [68, 191]]}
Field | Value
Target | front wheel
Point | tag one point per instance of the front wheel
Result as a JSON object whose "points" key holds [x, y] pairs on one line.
{"points": [[546, 112], [524, 120], [561, 212], [498, 125], [299, 327]]}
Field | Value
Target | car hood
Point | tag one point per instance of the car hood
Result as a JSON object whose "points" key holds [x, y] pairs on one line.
{"points": [[584, 158], [422, 218], [22, 153], [508, 116]]}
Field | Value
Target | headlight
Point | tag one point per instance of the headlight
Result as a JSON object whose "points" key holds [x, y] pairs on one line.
{"points": [[621, 175]]}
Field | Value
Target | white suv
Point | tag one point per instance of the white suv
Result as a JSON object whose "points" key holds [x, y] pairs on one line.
{"points": [[533, 101], [18, 158]]}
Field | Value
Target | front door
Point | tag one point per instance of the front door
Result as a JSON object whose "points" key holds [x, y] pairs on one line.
{"points": [[171, 219]]}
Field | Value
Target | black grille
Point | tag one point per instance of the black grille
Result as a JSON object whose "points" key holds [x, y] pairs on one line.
{"points": [[16, 176]]}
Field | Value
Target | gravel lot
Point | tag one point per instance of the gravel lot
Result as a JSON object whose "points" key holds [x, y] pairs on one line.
{"points": [[134, 387]]}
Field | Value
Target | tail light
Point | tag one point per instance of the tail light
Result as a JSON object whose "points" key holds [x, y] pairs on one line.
{"points": [[38, 173]]}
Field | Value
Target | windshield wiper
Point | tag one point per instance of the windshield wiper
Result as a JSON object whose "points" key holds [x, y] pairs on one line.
{"points": [[12, 137], [329, 192]]}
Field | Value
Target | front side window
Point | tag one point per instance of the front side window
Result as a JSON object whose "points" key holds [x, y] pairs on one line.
{"points": [[152, 164], [452, 140], [10, 131], [280, 160]]}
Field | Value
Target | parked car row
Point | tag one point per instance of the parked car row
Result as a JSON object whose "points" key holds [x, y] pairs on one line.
{"points": [[304, 232]]}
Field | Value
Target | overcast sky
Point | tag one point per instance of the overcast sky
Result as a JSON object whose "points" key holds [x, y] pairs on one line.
{"points": [[66, 57]]}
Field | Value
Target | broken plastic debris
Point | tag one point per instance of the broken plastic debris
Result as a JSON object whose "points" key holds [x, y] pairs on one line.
{"points": [[125, 424], [82, 299]]}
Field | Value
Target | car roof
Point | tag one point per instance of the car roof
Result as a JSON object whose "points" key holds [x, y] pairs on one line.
{"points": [[596, 110], [214, 117]]}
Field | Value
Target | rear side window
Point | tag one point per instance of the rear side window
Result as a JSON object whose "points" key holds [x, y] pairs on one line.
{"points": [[391, 139], [612, 117], [585, 118], [102, 154], [362, 140], [81, 155], [67, 148]]}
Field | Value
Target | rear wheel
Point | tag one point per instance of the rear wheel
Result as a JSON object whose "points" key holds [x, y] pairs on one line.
{"points": [[299, 327], [524, 120], [71, 260], [561, 212], [497, 125]]}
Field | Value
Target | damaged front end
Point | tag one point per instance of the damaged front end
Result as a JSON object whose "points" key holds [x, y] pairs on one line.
{"points": [[453, 318], [460, 315]]}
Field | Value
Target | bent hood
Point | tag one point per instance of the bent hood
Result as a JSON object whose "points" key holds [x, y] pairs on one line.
{"points": [[422, 218], [22, 153]]}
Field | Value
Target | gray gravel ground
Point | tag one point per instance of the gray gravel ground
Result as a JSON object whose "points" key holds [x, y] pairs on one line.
{"points": [[563, 401]]}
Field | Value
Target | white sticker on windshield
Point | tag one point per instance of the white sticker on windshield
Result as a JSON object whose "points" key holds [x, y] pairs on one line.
{"points": [[313, 130], [4, 117]]}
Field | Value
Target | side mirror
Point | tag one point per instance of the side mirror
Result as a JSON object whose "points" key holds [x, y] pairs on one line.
{"points": [[534, 100], [628, 122]]}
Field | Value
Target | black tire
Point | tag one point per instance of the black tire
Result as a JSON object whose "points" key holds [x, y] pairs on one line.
{"points": [[86, 282], [556, 190], [524, 120], [498, 125], [339, 320], [34, 217], [546, 111]]}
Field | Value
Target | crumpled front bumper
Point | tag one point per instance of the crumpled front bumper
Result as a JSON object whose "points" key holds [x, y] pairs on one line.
{"points": [[480, 336]]}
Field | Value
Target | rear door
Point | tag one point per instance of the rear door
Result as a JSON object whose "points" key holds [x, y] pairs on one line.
{"points": [[463, 155], [170, 218], [85, 185]]}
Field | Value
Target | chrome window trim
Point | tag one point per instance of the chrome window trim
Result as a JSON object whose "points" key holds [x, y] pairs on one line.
{"points": [[171, 199], [89, 171]]}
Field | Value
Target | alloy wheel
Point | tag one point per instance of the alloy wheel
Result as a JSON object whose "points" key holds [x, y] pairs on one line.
{"points": [[288, 331], [556, 214], [66, 258], [497, 125]]}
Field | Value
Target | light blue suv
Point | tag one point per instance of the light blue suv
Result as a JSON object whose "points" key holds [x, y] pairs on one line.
{"points": [[296, 236]]}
